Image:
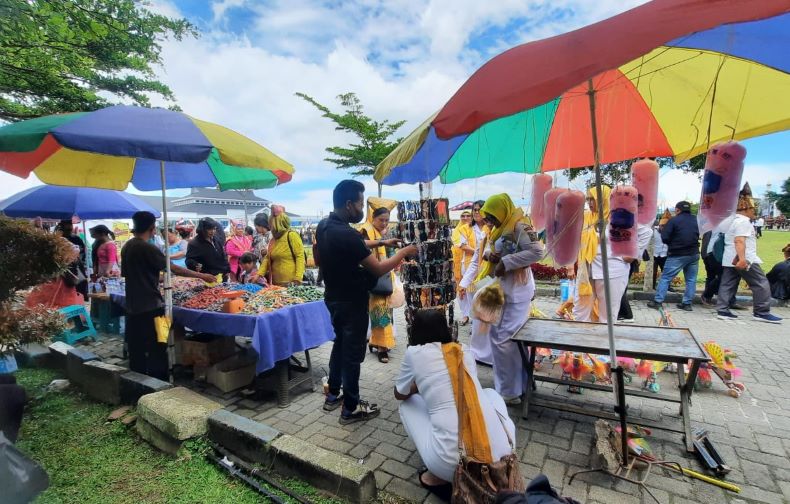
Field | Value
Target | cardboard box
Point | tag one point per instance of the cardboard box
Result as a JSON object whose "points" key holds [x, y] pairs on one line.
{"points": [[234, 372], [204, 349]]}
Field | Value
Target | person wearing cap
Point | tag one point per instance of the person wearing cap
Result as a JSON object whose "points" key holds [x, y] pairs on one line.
{"points": [[741, 262], [141, 263], [681, 235]]}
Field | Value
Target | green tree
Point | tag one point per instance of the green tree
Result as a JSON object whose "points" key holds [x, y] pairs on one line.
{"points": [[72, 55], [615, 173], [781, 199], [373, 136]]}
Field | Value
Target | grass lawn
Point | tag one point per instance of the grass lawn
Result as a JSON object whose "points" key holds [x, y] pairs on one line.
{"points": [[91, 461]]}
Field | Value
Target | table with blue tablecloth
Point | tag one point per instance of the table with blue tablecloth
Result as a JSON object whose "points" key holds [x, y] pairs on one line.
{"points": [[276, 335]]}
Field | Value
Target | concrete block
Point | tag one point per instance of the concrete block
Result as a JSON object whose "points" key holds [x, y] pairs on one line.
{"points": [[323, 469], [157, 438], [75, 364], [58, 351], [103, 381], [177, 412], [246, 438], [135, 385], [33, 355]]}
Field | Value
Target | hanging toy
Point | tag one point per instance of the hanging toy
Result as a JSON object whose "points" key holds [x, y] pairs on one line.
{"points": [[549, 209], [622, 221], [645, 173], [721, 184], [568, 223], [541, 183], [722, 366]]}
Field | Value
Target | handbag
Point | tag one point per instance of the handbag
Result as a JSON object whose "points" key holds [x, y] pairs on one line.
{"points": [[383, 286], [478, 482]]}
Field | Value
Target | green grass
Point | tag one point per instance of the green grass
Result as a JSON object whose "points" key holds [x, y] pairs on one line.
{"points": [[92, 461]]}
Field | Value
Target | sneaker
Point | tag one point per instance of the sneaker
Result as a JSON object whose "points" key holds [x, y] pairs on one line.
{"points": [[512, 401], [684, 307], [726, 315], [332, 402], [363, 411], [767, 317], [654, 305], [625, 321]]}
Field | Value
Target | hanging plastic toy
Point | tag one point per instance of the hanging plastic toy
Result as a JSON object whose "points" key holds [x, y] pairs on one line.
{"points": [[622, 221], [541, 184], [721, 183], [645, 173], [568, 223]]}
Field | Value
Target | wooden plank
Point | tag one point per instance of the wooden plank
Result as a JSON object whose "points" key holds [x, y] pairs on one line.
{"points": [[667, 344], [607, 388]]}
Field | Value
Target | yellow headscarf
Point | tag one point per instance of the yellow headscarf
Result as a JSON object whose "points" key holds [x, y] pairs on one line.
{"points": [[373, 233], [589, 240], [279, 221], [502, 208]]}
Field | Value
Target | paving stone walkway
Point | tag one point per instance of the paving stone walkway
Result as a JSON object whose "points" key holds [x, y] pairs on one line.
{"points": [[751, 432]]}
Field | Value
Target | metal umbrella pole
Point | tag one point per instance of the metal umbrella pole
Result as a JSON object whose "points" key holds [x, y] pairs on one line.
{"points": [[168, 288], [618, 383]]}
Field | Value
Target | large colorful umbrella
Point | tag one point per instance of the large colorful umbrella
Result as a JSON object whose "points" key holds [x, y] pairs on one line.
{"points": [[670, 78], [87, 203]]}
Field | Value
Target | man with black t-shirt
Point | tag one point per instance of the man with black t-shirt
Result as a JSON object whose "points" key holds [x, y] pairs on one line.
{"points": [[350, 271], [141, 263]]}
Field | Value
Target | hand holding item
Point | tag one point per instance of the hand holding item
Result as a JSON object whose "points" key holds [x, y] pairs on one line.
{"points": [[391, 242], [499, 270], [493, 257], [740, 264], [461, 293], [409, 251], [207, 278]]}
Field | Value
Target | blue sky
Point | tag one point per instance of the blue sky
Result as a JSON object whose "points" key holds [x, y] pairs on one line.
{"points": [[403, 58]]}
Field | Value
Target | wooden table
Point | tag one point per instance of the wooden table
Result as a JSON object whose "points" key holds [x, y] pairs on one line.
{"points": [[665, 344]]}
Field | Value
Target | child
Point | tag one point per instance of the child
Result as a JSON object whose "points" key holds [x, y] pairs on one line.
{"points": [[248, 268]]}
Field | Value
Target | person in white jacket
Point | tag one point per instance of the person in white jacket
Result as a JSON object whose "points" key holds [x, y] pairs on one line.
{"points": [[510, 249]]}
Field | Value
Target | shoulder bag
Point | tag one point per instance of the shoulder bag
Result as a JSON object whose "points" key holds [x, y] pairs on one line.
{"points": [[478, 482]]}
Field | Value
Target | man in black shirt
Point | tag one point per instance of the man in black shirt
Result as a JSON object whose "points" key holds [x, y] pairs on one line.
{"points": [[681, 234], [141, 263], [350, 271]]}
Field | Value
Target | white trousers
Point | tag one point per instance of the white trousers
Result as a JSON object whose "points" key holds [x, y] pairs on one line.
{"points": [[617, 288], [441, 460], [582, 305], [480, 344], [465, 306], [509, 374]]}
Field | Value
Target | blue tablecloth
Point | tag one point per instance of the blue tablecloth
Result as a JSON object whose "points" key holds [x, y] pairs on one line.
{"points": [[275, 335]]}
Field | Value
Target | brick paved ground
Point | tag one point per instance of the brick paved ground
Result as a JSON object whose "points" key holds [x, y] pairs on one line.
{"points": [[752, 432]]}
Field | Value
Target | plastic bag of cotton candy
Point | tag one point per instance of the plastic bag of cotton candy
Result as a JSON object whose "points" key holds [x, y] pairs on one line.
{"points": [[721, 183], [622, 221]]}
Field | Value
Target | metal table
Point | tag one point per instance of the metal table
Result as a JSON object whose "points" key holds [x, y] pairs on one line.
{"points": [[665, 344]]}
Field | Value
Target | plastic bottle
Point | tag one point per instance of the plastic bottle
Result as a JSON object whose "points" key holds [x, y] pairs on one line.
{"points": [[645, 173], [623, 203], [721, 183]]}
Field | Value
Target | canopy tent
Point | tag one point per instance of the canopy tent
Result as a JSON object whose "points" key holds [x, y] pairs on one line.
{"points": [[60, 202], [693, 74]]}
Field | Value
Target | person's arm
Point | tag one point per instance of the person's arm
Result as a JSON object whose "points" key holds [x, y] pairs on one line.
{"points": [[389, 242], [405, 383], [379, 268], [469, 275], [740, 253], [298, 248], [185, 272], [181, 252]]}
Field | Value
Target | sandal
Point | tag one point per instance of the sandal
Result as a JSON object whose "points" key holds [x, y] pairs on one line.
{"points": [[465, 321], [443, 491], [384, 357], [371, 348]]}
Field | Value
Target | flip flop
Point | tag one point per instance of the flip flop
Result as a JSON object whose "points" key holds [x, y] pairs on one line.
{"points": [[443, 491]]}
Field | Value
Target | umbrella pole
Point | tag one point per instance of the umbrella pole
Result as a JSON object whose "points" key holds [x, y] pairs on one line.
{"points": [[618, 381], [168, 288]]}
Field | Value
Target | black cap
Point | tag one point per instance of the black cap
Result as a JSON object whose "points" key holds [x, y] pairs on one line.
{"points": [[143, 221], [683, 206]]}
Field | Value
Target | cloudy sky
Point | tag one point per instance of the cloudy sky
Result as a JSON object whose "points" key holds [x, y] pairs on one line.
{"points": [[403, 58]]}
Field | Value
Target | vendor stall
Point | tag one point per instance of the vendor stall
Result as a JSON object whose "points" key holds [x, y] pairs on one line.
{"points": [[280, 326]]}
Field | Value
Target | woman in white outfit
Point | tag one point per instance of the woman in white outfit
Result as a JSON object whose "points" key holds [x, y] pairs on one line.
{"points": [[428, 411], [511, 248], [479, 342]]}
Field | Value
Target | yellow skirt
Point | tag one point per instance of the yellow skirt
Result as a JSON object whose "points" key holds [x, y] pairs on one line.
{"points": [[381, 333]]}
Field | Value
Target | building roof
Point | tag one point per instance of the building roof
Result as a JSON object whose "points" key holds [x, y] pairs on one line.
{"points": [[202, 193]]}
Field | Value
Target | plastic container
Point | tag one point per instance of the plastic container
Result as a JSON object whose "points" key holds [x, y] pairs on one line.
{"points": [[721, 183], [565, 290], [645, 172], [622, 221], [541, 183], [567, 224]]}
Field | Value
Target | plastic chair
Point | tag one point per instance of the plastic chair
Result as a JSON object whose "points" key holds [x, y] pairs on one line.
{"points": [[80, 324]]}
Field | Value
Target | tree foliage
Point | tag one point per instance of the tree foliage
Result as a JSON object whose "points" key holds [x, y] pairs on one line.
{"points": [[782, 199], [74, 55], [617, 173], [373, 144]]}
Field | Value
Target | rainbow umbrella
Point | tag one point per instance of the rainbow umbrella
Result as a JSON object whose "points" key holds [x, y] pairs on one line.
{"points": [[669, 78]]}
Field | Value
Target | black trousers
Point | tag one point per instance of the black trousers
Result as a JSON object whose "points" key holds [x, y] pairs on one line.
{"points": [[625, 307], [146, 355], [350, 322], [658, 262]]}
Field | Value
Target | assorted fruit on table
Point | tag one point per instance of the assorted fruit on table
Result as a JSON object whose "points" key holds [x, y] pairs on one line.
{"points": [[249, 299]]}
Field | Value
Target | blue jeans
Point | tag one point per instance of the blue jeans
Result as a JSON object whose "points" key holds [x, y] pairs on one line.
{"points": [[689, 265], [350, 322]]}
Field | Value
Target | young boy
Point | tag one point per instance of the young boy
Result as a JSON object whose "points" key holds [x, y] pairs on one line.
{"points": [[249, 270]]}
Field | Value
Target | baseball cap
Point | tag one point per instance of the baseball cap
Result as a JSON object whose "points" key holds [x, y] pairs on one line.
{"points": [[683, 206]]}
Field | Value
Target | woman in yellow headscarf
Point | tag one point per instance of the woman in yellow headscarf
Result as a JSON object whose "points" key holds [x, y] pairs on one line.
{"points": [[584, 295], [464, 246], [382, 334], [284, 262], [511, 248]]}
